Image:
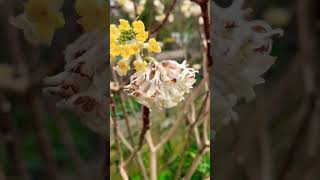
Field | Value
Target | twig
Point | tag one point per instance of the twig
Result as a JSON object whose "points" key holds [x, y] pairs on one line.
{"points": [[196, 161], [146, 123], [133, 151], [192, 127], [153, 156], [46, 149], [169, 11], [67, 140], [123, 172], [204, 4], [125, 117]]}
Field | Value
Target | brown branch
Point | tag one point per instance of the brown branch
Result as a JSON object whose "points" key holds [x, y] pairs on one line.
{"points": [[197, 160], [169, 11], [298, 137], [146, 123], [145, 128], [204, 5], [123, 173], [43, 140], [126, 118], [67, 140], [189, 135]]}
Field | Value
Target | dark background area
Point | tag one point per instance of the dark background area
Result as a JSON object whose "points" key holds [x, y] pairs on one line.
{"points": [[276, 137], [37, 139]]}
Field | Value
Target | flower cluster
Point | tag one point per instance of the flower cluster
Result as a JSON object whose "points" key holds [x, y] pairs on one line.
{"points": [[41, 18], [156, 85], [189, 8], [159, 8], [128, 42], [129, 7], [82, 86], [135, 9], [93, 14], [242, 48], [163, 85]]}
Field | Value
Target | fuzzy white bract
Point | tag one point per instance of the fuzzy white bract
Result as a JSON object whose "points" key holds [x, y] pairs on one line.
{"points": [[82, 86], [163, 85], [241, 52]]}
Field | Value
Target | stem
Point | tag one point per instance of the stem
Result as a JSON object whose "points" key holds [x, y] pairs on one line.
{"points": [[170, 9], [126, 118], [205, 15], [146, 123], [153, 156], [123, 172], [196, 162]]}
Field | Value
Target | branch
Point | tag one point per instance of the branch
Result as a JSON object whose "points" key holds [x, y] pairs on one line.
{"points": [[204, 4], [169, 11], [153, 156], [67, 140], [125, 117], [43, 140], [122, 170], [197, 161]]}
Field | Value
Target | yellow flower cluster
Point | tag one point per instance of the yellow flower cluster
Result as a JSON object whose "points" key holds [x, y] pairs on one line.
{"points": [[127, 42], [44, 17], [93, 14]]}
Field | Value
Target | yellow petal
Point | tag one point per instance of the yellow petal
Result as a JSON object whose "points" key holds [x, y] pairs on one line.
{"points": [[124, 25], [140, 66], [142, 36], [153, 46], [138, 26]]}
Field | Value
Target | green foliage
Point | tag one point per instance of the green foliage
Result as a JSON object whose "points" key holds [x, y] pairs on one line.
{"points": [[130, 104], [169, 171]]}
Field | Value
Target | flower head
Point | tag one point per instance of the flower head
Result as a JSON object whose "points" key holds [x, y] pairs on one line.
{"points": [[124, 25], [40, 20], [138, 26], [128, 41], [162, 85], [154, 46], [123, 67], [140, 66], [93, 14]]}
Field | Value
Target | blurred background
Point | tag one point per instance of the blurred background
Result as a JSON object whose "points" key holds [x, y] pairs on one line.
{"points": [[276, 137], [277, 134], [37, 139]]}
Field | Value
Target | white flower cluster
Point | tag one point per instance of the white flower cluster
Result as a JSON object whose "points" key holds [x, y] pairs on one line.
{"points": [[129, 7], [189, 8], [159, 7], [82, 86], [39, 20], [163, 85], [241, 52]]}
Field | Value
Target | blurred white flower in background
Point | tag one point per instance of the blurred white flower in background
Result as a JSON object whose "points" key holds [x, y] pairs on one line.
{"points": [[128, 6], [241, 49], [189, 8], [82, 86], [39, 20], [159, 8]]}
